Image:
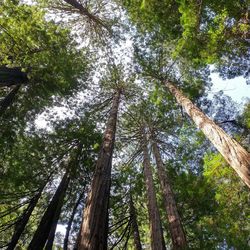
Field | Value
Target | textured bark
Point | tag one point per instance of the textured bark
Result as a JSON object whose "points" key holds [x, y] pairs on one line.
{"points": [[84, 11], [175, 226], [8, 100], [66, 238], [24, 220], [42, 233], [232, 151], [136, 234], [12, 76], [156, 233], [94, 229]]}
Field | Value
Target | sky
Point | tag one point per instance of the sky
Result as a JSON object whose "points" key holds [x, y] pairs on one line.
{"points": [[236, 88]]}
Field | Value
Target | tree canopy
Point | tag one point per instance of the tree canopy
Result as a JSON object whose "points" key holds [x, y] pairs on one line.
{"points": [[110, 135]]}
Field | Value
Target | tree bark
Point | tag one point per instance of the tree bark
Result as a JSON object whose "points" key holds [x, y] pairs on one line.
{"points": [[94, 230], [24, 220], [175, 226], [42, 233], [237, 157], [66, 238], [136, 234], [8, 100], [12, 76], [156, 232]]}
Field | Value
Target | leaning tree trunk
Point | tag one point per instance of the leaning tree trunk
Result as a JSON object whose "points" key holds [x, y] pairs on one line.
{"points": [[12, 76], [8, 100], [42, 233], [175, 226], [66, 238], [52, 232], [24, 220], [94, 229], [156, 232], [51, 237], [136, 234], [231, 150]]}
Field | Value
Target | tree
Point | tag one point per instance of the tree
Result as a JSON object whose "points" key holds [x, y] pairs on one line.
{"points": [[136, 233], [175, 224], [12, 76], [232, 151], [157, 240], [232, 198], [66, 238], [163, 70], [94, 228], [37, 56], [24, 219], [203, 32], [50, 217]]}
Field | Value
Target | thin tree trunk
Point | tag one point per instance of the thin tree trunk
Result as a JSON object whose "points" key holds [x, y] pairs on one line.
{"points": [[12, 76], [94, 230], [41, 235], [175, 226], [84, 11], [8, 100], [232, 151], [156, 233], [52, 232], [24, 220], [66, 238], [136, 234]]}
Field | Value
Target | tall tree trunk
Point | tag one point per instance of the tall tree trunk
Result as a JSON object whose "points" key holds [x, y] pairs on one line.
{"points": [[231, 150], [66, 238], [136, 234], [12, 76], [52, 232], [94, 230], [41, 235], [8, 100], [24, 220], [156, 233], [175, 226], [85, 12]]}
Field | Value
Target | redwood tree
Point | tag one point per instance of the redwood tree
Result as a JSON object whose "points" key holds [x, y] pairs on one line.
{"points": [[94, 229], [174, 220], [24, 220], [232, 151], [156, 233], [135, 230], [50, 216]]}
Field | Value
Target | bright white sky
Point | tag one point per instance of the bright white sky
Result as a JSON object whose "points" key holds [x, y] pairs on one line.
{"points": [[236, 88]]}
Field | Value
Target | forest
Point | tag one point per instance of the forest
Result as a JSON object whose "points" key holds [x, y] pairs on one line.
{"points": [[112, 135]]}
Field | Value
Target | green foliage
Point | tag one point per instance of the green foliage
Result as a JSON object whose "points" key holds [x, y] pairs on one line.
{"points": [[231, 220], [37, 156], [43, 50], [203, 32], [177, 41]]}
